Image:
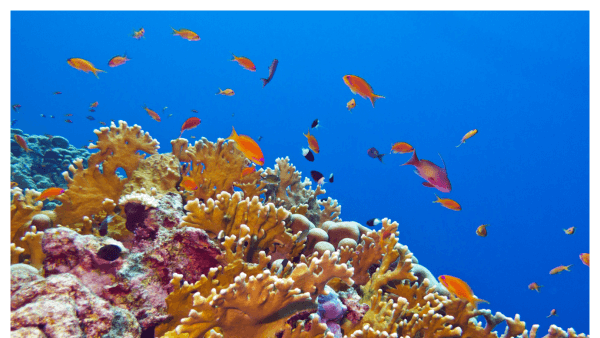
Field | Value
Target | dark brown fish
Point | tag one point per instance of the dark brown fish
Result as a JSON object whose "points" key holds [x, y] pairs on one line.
{"points": [[374, 153], [308, 154], [318, 177], [109, 252], [331, 178], [273, 179], [272, 69]]}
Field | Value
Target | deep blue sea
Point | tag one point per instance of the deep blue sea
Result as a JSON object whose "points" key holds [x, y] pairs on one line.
{"points": [[520, 78]]}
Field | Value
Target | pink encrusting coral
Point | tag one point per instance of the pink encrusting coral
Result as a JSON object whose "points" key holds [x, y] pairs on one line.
{"points": [[244, 255]]}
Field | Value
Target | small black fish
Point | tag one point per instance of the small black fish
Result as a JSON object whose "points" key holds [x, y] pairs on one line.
{"points": [[260, 138], [91, 118], [92, 110], [375, 154], [109, 252], [52, 116], [42, 115], [323, 199], [373, 222], [272, 69], [117, 210], [272, 179], [194, 111], [12, 123], [331, 178], [308, 154], [318, 177], [103, 229], [315, 123]]}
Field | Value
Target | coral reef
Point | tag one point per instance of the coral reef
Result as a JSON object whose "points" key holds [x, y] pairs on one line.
{"points": [[248, 253]]}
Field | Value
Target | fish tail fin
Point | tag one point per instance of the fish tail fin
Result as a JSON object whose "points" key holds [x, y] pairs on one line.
{"points": [[476, 300], [233, 134], [175, 32], [375, 97], [380, 157], [413, 160], [438, 198], [234, 57], [459, 144], [219, 92], [568, 266], [265, 81]]}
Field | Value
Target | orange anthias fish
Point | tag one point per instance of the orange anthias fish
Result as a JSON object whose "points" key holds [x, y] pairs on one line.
{"points": [[535, 286], [350, 105], [21, 141], [84, 65], [361, 87], [552, 313], [481, 230], [312, 142], [560, 269], [118, 60], [248, 146], [585, 258], [401, 148], [434, 176], [13, 184], [152, 113], [139, 34], [94, 105], [226, 92], [188, 183], [247, 171], [244, 62], [190, 123], [467, 136], [186, 34], [460, 289], [50, 193], [448, 203], [569, 231]]}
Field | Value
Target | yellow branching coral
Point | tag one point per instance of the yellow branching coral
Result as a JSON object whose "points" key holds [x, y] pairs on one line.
{"points": [[312, 278], [554, 332], [159, 171], [22, 209], [317, 330], [383, 314], [331, 210], [368, 332], [15, 251], [33, 239]]}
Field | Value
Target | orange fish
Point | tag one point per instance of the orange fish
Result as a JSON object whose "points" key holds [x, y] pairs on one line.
{"points": [[152, 113], [13, 184], [552, 313], [434, 176], [467, 136], [84, 65], [481, 230], [569, 231], [22, 143], [244, 62], [186, 34], [139, 34], [190, 123], [535, 286], [118, 60], [312, 142], [227, 92], [585, 258], [448, 203], [460, 289], [50, 193], [248, 147], [188, 183], [94, 105], [361, 87], [401, 148], [247, 171], [350, 105], [560, 269]]}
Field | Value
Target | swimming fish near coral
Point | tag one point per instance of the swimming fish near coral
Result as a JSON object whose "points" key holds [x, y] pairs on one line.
{"points": [[91, 118], [152, 113], [318, 177], [467, 136], [68, 121], [315, 124], [103, 228], [312, 142], [272, 69], [109, 252], [552, 313], [359, 86], [92, 110], [190, 123], [331, 178], [460, 289], [186, 34], [585, 258], [308, 154], [350, 105], [560, 269], [248, 147], [21, 141], [42, 115], [16, 107], [374, 153], [188, 183], [247, 171], [244, 62], [84, 65], [139, 34], [481, 230], [50, 193], [103, 123], [272, 179], [569, 231], [535, 286], [373, 222], [448, 203], [401, 148], [435, 176], [260, 138], [226, 92], [194, 111], [118, 60]]}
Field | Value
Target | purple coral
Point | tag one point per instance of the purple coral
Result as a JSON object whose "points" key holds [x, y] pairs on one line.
{"points": [[331, 310]]}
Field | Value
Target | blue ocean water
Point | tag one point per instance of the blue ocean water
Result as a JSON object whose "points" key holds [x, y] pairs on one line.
{"points": [[520, 78]]}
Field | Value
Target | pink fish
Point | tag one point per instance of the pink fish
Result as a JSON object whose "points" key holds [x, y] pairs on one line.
{"points": [[435, 176]]}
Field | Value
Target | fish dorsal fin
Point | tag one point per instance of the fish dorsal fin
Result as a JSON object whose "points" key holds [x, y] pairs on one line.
{"points": [[442, 161]]}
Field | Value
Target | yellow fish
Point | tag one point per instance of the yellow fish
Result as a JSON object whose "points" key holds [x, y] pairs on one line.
{"points": [[84, 65], [467, 136], [227, 92], [460, 289], [186, 34]]}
